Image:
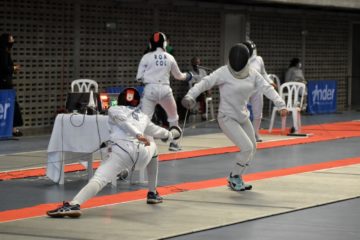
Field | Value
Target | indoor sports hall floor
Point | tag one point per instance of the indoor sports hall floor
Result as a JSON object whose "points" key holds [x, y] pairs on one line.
{"points": [[304, 188]]}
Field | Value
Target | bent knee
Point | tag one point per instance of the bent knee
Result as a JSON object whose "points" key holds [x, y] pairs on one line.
{"points": [[249, 149]]}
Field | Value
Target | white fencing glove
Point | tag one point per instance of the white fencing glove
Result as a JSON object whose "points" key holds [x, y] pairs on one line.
{"points": [[188, 102], [174, 134]]}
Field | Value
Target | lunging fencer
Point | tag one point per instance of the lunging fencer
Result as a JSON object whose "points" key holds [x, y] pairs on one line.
{"points": [[237, 82], [154, 71], [256, 100], [131, 147]]}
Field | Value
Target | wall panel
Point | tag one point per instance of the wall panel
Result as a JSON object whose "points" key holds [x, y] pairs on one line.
{"points": [[59, 41]]}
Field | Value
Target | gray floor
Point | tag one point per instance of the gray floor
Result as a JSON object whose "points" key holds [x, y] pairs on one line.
{"points": [[334, 221], [171, 172], [329, 222]]}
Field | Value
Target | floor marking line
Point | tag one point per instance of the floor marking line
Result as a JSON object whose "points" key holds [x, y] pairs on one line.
{"points": [[39, 210], [322, 135]]}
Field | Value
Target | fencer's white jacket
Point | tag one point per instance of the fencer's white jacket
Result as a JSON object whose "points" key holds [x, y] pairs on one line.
{"points": [[126, 123], [257, 63], [155, 67], [235, 93]]}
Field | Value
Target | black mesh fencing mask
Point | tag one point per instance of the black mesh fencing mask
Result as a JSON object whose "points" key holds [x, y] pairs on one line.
{"points": [[238, 57], [251, 46]]}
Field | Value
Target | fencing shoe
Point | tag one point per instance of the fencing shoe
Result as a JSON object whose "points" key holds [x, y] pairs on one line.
{"points": [[237, 184], [66, 210], [258, 138], [153, 198], [174, 147]]}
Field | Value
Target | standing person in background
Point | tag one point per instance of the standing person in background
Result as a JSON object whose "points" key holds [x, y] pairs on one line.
{"points": [[237, 82], [256, 100], [154, 71], [7, 69], [295, 73], [198, 74]]}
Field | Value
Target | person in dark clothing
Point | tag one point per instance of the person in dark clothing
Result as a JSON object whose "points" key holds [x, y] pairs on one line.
{"points": [[7, 69]]}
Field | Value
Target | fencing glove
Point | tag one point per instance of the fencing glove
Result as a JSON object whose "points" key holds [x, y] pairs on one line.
{"points": [[189, 76], [188, 102], [174, 134]]}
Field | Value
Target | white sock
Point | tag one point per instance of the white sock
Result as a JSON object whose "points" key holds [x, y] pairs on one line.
{"points": [[152, 171]]}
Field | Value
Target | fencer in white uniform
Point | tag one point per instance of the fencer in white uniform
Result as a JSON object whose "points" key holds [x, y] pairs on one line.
{"points": [[154, 71], [256, 100], [237, 82], [131, 147]]}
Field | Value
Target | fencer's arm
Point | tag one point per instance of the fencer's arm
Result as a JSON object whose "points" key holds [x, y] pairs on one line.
{"points": [[205, 84], [141, 70], [121, 120], [270, 92], [156, 131], [266, 77], [175, 71]]}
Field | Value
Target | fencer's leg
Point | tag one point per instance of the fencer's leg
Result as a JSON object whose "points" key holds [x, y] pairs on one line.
{"points": [[90, 190], [175, 123], [241, 138], [242, 135], [256, 125], [248, 128], [148, 106], [169, 105], [72, 208], [103, 175], [107, 171], [257, 104], [174, 144], [152, 171], [153, 196]]}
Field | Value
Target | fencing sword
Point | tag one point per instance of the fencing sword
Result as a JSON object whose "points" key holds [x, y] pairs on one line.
{"points": [[205, 68]]}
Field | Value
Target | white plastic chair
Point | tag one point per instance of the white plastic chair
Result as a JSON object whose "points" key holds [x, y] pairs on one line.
{"points": [[84, 85], [293, 94], [276, 80]]}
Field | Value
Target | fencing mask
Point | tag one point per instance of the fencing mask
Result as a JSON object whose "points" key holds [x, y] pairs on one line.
{"points": [[129, 97], [251, 46], [158, 39], [238, 57]]}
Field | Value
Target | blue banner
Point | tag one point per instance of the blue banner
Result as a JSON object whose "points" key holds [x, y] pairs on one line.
{"points": [[7, 103], [321, 96]]}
